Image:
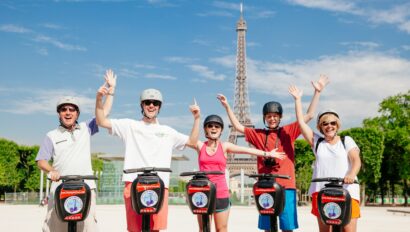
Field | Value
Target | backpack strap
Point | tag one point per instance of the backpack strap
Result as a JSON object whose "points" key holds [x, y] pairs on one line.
{"points": [[342, 138], [317, 143]]}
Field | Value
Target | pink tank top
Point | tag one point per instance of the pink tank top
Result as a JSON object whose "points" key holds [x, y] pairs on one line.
{"points": [[215, 162]]}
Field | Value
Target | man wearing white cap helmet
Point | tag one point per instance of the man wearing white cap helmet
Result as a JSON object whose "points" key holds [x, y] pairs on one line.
{"points": [[147, 144], [68, 147]]}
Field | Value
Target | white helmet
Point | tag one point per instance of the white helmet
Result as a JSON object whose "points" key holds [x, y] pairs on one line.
{"points": [[68, 100], [151, 94], [327, 111]]}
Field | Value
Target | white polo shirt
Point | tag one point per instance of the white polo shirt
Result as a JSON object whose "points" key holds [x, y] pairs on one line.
{"points": [[147, 145], [70, 151]]}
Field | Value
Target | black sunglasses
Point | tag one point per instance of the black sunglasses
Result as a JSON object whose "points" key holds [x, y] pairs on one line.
{"points": [[154, 102], [333, 123], [213, 125], [64, 109]]}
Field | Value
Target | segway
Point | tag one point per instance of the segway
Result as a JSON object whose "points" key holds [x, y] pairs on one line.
{"points": [[334, 203], [72, 199], [201, 195], [147, 193], [269, 197]]}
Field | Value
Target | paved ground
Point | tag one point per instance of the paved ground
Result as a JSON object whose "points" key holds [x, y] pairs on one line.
{"points": [[111, 218]]}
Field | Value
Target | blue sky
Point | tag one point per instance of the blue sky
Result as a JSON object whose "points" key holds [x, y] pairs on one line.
{"points": [[187, 49]]}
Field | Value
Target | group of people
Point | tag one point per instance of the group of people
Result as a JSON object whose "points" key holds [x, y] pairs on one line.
{"points": [[150, 144]]}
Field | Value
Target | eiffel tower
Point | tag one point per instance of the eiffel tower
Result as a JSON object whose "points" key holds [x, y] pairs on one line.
{"points": [[241, 104]]}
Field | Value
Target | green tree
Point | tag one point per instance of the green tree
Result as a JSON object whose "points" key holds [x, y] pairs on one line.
{"points": [[10, 175], [28, 166], [394, 123], [303, 165]]}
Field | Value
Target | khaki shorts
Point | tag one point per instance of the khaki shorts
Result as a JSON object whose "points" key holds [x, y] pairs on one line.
{"points": [[134, 221], [53, 223]]}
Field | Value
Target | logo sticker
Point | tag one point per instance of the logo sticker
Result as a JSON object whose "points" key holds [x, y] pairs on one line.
{"points": [[332, 210], [73, 205], [266, 201], [149, 198], [199, 199]]}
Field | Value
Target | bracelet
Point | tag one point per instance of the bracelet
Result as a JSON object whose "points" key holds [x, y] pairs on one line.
{"points": [[111, 94]]}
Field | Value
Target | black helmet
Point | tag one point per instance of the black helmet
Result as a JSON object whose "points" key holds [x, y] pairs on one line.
{"points": [[213, 118], [272, 107]]}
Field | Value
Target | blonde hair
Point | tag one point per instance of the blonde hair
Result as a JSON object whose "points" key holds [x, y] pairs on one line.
{"points": [[326, 118]]}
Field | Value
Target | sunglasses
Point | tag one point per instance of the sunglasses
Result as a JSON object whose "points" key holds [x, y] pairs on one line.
{"points": [[333, 123], [149, 102], [71, 109], [213, 125]]}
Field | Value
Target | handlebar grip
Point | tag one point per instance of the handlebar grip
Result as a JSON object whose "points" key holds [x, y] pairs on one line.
{"points": [[331, 179], [147, 170], [76, 177], [199, 173], [269, 175]]}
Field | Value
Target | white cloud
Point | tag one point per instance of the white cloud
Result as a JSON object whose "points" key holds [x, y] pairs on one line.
{"points": [[34, 101], [179, 59], [392, 13], [14, 29], [58, 44], [365, 44], [160, 76], [359, 81], [332, 5], [52, 26], [206, 72]]}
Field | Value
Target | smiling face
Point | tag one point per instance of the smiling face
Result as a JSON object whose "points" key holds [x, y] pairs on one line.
{"points": [[213, 131], [68, 115], [328, 125], [272, 120], [150, 108]]}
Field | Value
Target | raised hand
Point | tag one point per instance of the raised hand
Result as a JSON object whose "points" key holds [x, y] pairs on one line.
{"points": [[110, 78], [223, 100], [103, 90], [195, 109], [321, 83], [275, 154], [295, 92]]}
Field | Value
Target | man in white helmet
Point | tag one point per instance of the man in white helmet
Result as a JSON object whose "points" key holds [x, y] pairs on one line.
{"points": [[147, 144], [68, 147]]}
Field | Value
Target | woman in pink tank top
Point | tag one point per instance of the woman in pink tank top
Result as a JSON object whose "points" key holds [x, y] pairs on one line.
{"points": [[212, 157]]}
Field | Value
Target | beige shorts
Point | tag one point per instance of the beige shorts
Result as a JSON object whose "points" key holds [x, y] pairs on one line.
{"points": [[53, 223]]}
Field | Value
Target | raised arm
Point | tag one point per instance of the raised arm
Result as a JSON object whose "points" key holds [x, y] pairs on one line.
{"points": [[306, 130], [234, 121], [356, 163], [318, 86], [233, 148], [110, 83], [194, 136], [107, 89]]}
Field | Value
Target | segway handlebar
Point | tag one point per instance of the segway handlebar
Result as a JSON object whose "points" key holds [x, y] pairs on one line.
{"points": [[147, 170], [202, 173], [331, 179], [76, 177], [269, 175]]}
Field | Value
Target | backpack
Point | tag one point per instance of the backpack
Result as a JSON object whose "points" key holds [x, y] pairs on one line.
{"points": [[321, 139]]}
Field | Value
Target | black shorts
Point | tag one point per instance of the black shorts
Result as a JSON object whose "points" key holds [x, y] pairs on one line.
{"points": [[222, 204]]}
